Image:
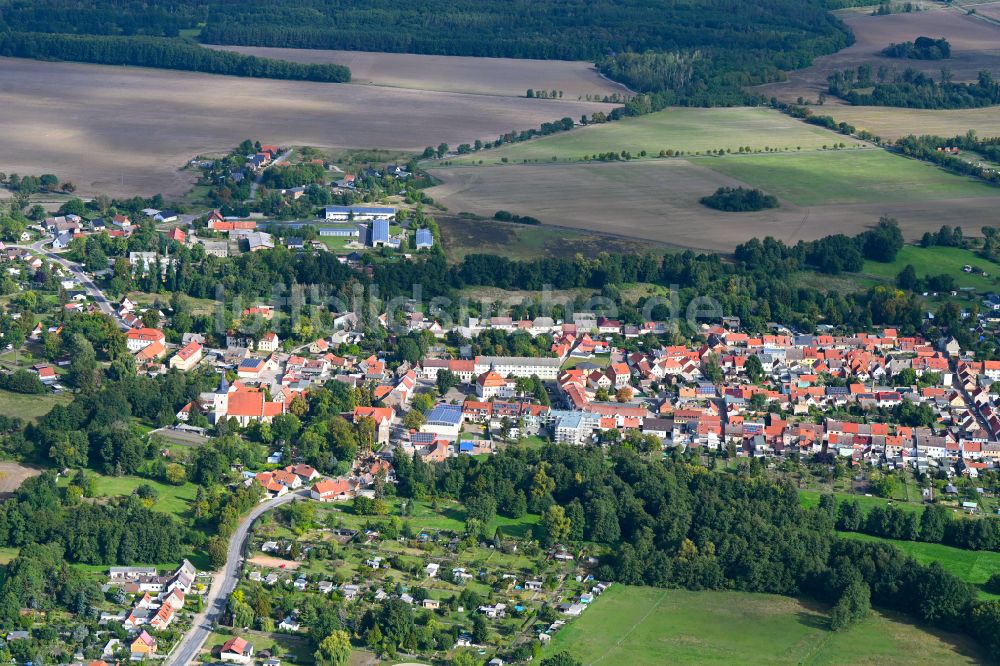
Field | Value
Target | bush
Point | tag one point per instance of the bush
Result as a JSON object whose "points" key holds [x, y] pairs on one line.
{"points": [[22, 381], [739, 199], [505, 216]]}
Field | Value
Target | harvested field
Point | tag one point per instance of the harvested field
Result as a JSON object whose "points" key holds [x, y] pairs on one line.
{"points": [[12, 475], [975, 45], [657, 200], [990, 10], [123, 130], [677, 129], [273, 562], [509, 77], [890, 123]]}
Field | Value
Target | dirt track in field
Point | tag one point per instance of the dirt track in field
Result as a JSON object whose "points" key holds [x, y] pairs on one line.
{"points": [[124, 130]]}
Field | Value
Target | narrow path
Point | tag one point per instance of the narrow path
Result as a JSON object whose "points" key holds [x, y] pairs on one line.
{"points": [[103, 303], [260, 177], [631, 629]]}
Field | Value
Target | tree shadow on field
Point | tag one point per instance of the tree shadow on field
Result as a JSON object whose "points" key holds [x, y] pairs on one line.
{"points": [[813, 619]]}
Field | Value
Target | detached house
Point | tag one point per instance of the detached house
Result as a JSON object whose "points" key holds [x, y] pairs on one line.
{"points": [[237, 651], [144, 645], [332, 490]]}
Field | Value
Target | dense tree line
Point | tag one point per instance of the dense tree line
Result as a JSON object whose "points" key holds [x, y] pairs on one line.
{"points": [[923, 48], [505, 216], [763, 274], [101, 17], [693, 54], [282, 177], [931, 149], [564, 124], [673, 524], [739, 199], [40, 578], [913, 89], [121, 532], [831, 254], [934, 525], [163, 53], [22, 381]]}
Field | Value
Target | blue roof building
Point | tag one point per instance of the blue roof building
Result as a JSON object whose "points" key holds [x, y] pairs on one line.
{"points": [[380, 233], [425, 239], [445, 415]]}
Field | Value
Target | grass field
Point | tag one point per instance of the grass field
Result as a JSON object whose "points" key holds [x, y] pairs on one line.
{"points": [[31, 407], [938, 260], [643, 626], [972, 566], [684, 129], [810, 498], [845, 177], [893, 123], [172, 499]]}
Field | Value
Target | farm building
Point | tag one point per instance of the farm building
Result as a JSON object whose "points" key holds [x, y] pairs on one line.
{"points": [[360, 213]]}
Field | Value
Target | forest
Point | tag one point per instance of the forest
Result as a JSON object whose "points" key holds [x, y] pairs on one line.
{"points": [[934, 525], [700, 53], [912, 89], [673, 523], [162, 53]]}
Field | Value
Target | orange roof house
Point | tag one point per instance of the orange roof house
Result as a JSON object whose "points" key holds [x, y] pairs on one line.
{"points": [[144, 644], [331, 490]]}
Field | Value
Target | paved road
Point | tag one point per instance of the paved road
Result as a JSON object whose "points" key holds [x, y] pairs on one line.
{"points": [[88, 284], [181, 436], [223, 585], [973, 408], [260, 177]]}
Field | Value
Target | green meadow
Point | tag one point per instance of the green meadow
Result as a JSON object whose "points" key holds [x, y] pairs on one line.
{"points": [[847, 176], [643, 626], [677, 129]]}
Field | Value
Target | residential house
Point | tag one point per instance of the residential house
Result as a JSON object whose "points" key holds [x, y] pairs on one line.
{"points": [[144, 645], [237, 651]]}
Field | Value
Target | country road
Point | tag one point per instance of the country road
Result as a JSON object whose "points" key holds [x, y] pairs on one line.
{"points": [[103, 303], [223, 584], [255, 185]]}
